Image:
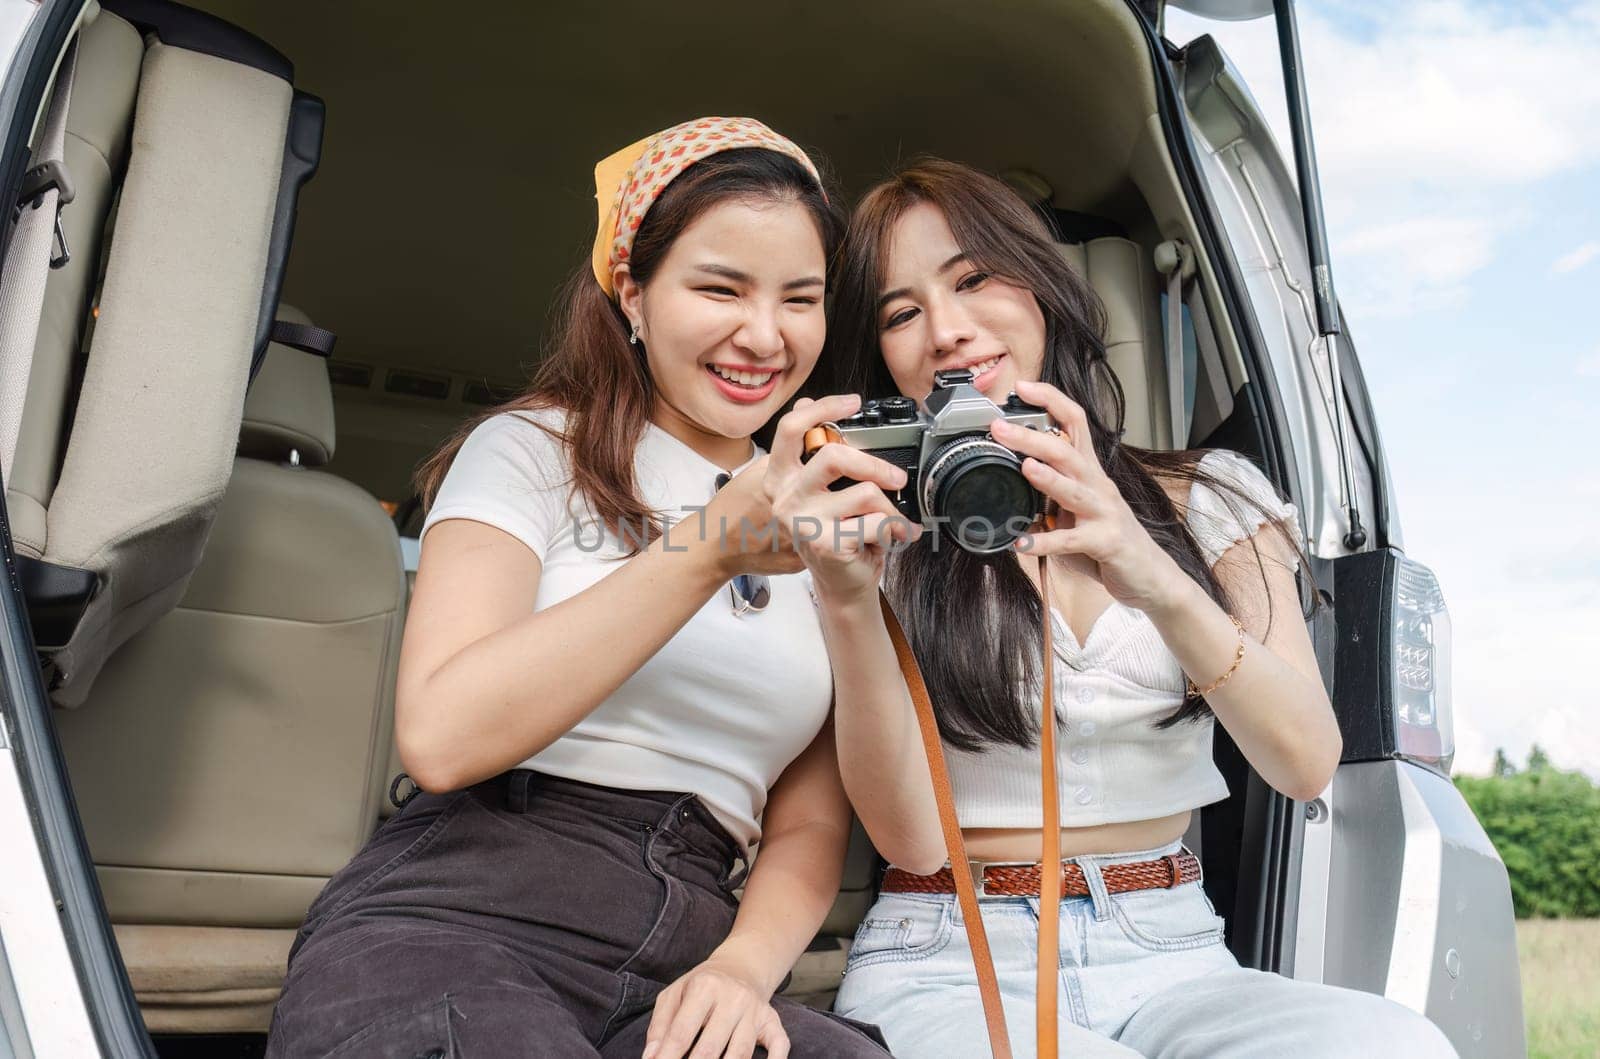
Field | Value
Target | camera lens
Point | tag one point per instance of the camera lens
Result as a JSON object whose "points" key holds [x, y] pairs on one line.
{"points": [[975, 487]]}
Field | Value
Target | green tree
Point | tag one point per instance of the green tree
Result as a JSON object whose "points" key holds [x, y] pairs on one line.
{"points": [[1502, 764], [1546, 824]]}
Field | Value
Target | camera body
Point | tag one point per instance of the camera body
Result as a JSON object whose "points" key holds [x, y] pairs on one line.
{"points": [[959, 480]]}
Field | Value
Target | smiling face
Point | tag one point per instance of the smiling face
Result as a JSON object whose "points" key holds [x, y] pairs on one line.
{"points": [[938, 311], [731, 321]]}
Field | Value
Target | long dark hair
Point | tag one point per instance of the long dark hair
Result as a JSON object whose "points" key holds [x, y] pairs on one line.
{"points": [[592, 373], [957, 607]]}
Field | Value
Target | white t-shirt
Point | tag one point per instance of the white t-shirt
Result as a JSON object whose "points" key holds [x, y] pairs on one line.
{"points": [[727, 703], [1113, 765]]}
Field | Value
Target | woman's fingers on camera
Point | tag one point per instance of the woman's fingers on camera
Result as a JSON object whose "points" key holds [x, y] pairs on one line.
{"points": [[847, 539], [1052, 542], [863, 498], [835, 461], [1064, 489], [1067, 413], [789, 440], [884, 530], [835, 522], [1058, 451]]}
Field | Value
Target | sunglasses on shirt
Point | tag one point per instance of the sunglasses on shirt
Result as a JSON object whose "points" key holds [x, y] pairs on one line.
{"points": [[751, 592]]}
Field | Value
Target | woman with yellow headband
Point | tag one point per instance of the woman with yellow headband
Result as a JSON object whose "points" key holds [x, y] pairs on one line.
{"points": [[608, 693]]}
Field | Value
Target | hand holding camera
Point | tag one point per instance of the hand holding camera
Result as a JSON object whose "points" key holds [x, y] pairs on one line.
{"points": [[962, 481], [742, 517], [984, 475], [835, 504], [1095, 520]]}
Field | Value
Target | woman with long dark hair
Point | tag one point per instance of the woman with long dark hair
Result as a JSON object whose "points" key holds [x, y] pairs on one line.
{"points": [[606, 698], [1179, 607]]}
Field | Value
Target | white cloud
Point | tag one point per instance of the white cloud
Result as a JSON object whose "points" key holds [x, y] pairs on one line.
{"points": [[1589, 367], [1436, 118], [1578, 258], [1474, 751], [1418, 263], [1571, 739], [1438, 93], [1513, 649], [1522, 585]]}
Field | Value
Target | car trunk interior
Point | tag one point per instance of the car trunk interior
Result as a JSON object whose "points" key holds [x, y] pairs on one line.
{"points": [[454, 195], [456, 185]]}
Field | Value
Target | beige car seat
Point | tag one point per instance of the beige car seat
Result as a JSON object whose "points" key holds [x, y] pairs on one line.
{"points": [[187, 144], [232, 756], [1119, 272]]}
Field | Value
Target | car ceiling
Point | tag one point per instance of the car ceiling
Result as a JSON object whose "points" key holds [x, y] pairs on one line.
{"points": [[456, 188]]}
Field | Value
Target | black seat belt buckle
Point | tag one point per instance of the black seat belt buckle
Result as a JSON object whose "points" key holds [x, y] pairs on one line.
{"points": [[42, 178]]}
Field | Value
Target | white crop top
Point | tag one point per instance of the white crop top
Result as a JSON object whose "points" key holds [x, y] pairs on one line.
{"points": [[1113, 764], [727, 703]]}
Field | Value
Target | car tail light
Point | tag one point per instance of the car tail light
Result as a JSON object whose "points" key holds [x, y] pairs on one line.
{"points": [[1424, 727]]}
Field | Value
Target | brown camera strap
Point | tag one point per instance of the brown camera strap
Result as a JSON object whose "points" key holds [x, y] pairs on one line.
{"points": [[966, 890], [1050, 861]]}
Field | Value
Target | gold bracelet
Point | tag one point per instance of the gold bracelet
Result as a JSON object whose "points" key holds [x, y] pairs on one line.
{"points": [[1238, 656]]}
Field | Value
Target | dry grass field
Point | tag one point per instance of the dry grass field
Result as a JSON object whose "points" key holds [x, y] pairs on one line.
{"points": [[1561, 986]]}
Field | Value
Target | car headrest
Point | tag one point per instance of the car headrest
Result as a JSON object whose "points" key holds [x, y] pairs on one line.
{"points": [[289, 409], [1117, 270]]}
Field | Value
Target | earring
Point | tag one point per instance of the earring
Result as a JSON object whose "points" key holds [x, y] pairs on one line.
{"points": [[633, 339]]}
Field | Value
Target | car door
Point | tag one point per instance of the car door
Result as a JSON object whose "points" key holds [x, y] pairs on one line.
{"points": [[63, 988], [1393, 886]]}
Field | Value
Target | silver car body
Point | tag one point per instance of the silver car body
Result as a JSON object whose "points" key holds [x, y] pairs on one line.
{"points": [[1400, 892]]}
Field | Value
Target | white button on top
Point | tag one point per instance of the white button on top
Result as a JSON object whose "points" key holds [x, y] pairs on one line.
{"points": [[1084, 796], [1080, 755], [1086, 728], [1086, 695]]}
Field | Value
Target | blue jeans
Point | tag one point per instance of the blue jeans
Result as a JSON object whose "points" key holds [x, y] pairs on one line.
{"points": [[1144, 973]]}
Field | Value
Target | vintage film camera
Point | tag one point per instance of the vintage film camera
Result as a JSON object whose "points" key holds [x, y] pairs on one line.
{"points": [[959, 480]]}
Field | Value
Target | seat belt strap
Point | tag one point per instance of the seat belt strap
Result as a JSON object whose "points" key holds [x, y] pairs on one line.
{"points": [[45, 190], [1176, 260], [304, 337]]}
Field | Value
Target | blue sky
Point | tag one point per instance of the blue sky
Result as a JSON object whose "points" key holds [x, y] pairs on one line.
{"points": [[1459, 145]]}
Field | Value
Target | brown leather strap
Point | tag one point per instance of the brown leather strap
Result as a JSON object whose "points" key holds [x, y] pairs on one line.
{"points": [[966, 892], [1022, 880], [1049, 882], [1049, 959]]}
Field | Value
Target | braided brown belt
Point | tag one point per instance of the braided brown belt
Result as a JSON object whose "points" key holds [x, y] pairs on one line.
{"points": [[1022, 880]]}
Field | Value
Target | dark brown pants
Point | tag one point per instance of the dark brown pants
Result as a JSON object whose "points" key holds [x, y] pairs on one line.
{"points": [[525, 916]]}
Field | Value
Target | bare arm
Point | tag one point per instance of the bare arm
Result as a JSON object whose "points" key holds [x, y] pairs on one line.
{"points": [[486, 681], [1275, 705], [795, 878], [881, 759]]}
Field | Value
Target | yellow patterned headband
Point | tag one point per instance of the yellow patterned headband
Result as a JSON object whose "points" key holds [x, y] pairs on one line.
{"points": [[628, 183]]}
